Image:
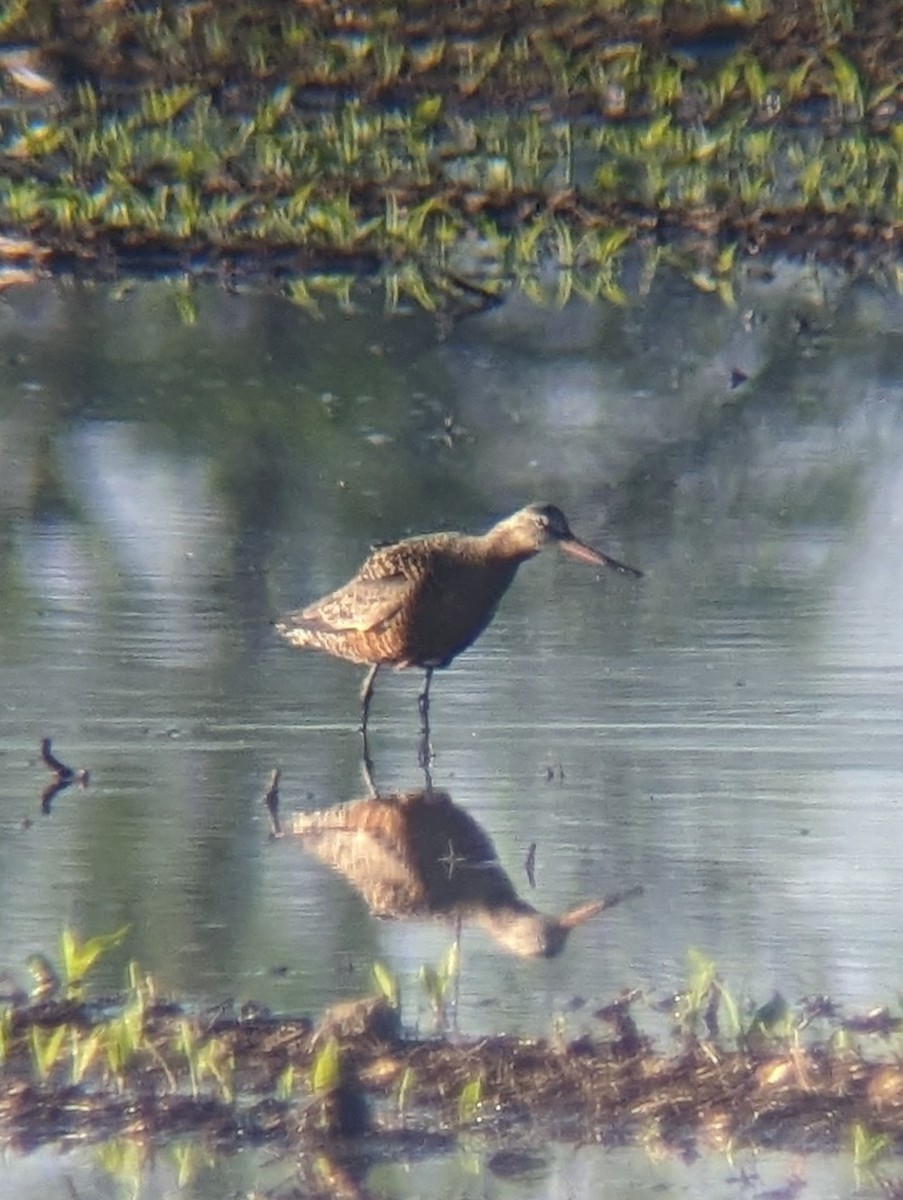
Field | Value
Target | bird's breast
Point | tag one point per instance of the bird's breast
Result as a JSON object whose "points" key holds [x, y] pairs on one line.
{"points": [[453, 605]]}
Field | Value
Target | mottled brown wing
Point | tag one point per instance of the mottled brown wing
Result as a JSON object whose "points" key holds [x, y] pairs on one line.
{"points": [[361, 606]]}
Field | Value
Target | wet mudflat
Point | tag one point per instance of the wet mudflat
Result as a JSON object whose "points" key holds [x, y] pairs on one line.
{"points": [[448, 153], [351, 1092]]}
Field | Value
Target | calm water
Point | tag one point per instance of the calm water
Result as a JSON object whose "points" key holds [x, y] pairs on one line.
{"points": [[725, 732], [473, 1172]]}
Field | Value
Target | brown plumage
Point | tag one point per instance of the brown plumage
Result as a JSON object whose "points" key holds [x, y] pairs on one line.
{"points": [[420, 602]]}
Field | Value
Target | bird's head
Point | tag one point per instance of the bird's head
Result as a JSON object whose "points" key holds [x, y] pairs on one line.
{"points": [[537, 525]]}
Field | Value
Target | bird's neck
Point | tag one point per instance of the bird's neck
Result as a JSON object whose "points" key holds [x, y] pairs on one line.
{"points": [[504, 544]]}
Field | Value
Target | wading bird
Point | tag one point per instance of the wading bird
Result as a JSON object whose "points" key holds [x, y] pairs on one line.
{"points": [[420, 602]]}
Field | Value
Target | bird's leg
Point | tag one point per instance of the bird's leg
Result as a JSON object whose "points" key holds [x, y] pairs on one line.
{"points": [[423, 701], [367, 768], [423, 757], [423, 706], [367, 696]]}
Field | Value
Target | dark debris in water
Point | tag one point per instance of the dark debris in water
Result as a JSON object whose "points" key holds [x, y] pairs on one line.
{"points": [[62, 776]]}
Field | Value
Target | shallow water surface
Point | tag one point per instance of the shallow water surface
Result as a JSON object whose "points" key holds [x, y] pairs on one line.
{"points": [[724, 732], [530, 1172]]}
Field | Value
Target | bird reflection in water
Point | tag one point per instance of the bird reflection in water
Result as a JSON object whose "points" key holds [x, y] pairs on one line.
{"points": [[417, 854]]}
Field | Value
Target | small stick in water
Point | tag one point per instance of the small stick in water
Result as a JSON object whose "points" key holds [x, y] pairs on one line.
{"points": [[530, 864], [271, 800], [63, 775], [60, 770]]}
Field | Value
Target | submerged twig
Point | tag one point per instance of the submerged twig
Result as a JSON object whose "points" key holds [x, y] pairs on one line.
{"points": [[63, 775], [271, 800], [53, 764], [530, 865]]}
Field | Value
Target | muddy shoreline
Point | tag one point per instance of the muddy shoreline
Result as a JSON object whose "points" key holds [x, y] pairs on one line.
{"points": [[472, 148], [264, 1080]]}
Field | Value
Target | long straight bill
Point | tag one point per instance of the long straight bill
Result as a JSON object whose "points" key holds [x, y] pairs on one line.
{"points": [[583, 553]]}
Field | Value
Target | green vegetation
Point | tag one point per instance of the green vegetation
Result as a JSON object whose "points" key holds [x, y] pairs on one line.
{"points": [[470, 1100], [77, 958], [455, 151], [325, 1070], [144, 1072], [438, 983], [386, 985]]}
